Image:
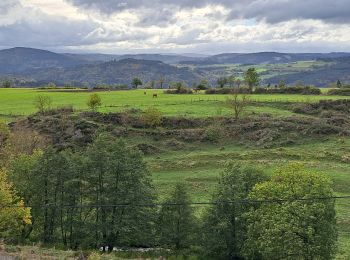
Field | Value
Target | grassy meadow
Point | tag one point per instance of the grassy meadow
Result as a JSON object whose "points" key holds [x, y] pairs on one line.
{"points": [[198, 165], [20, 102]]}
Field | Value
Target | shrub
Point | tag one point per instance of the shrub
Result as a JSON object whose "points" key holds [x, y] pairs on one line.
{"points": [[94, 101], [180, 90], [212, 134], [339, 92], [152, 117], [227, 91], [303, 90], [42, 103]]}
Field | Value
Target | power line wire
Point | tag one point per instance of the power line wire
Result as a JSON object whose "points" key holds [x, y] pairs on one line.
{"points": [[242, 201]]}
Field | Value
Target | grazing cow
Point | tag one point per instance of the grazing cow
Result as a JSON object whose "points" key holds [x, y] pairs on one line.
{"points": [[155, 95]]}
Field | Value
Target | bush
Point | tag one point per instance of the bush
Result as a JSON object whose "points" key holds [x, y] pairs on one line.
{"points": [[303, 90], [213, 134], [225, 91], [152, 117], [339, 92], [94, 102], [180, 90]]}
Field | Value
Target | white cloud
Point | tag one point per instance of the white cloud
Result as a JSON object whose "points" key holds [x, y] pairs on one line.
{"points": [[187, 26]]}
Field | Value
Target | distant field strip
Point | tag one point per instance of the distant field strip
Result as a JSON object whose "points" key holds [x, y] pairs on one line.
{"points": [[19, 102]]}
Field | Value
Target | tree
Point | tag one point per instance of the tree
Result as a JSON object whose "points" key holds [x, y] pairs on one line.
{"points": [[222, 81], [252, 78], [117, 174], [13, 214], [203, 85], [238, 103], [238, 83], [161, 81], [51, 85], [42, 103], [94, 101], [225, 227], [136, 82], [231, 80], [292, 228], [7, 84], [282, 84], [339, 84], [152, 117], [176, 219]]}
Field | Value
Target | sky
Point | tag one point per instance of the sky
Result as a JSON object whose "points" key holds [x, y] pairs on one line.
{"points": [[176, 26]]}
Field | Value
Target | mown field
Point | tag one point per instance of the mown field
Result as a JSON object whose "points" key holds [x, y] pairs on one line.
{"points": [[199, 164]]}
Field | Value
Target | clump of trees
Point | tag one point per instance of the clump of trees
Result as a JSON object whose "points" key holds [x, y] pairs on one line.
{"points": [[100, 185], [136, 82], [6, 84], [178, 88]]}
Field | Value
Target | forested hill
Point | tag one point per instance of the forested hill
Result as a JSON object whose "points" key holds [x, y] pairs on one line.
{"points": [[18, 60], [339, 69], [264, 58], [116, 72]]}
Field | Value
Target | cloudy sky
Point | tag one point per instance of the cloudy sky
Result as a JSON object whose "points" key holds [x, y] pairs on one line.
{"points": [[176, 26]]}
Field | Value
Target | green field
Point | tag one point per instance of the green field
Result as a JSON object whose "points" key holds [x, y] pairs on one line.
{"points": [[199, 164], [20, 102]]}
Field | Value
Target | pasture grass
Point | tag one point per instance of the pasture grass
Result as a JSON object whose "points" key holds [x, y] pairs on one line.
{"points": [[20, 102]]}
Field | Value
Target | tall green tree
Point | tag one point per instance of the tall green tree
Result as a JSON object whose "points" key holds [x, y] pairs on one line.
{"points": [[118, 175], [292, 228], [339, 84], [225, 227], [231, 80], [176, 219], [222, 81], [136, 82], [252, 78], [6, 84]]}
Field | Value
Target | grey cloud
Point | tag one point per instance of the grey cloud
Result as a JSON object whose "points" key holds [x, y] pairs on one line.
{"points": [[28, 27], [160, 18], [272, 11]]}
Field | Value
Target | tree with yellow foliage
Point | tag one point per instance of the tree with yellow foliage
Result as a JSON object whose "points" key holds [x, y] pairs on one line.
{"points": [[13, 214]]}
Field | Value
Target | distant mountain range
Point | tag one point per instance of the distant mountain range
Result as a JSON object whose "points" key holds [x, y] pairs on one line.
{"points": [[115, 72], [36, 67], [263, 58]]}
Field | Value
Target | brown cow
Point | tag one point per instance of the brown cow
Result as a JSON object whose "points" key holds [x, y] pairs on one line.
{"points": [[155, 95]]}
